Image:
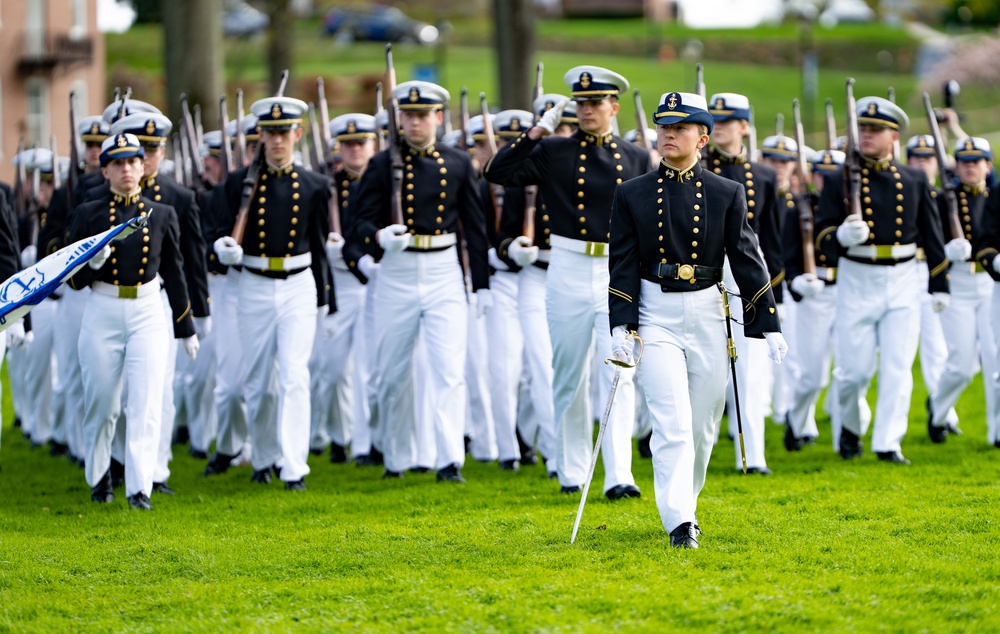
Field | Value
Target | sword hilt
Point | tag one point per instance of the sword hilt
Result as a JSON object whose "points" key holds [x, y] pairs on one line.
{"points": [[624, 364]]}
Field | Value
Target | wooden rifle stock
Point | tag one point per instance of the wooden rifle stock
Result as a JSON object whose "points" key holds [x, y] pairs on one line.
{"points": [[199, 131], [640, 121], [831, 126], [491, 140], [531, 191], [852, 165], [225, 150], [947, 185], [241, 137], [805, 203], [190, 139]]}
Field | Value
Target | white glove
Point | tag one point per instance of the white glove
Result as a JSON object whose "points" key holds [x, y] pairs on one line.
{"points": [[852, 232], [551, 119], [484, 301], [958, 250], [335, 249], [16, 336], [807, 285], [940, 301], [521, 251], [495, 260], [368, 267], [776, 346], [622, 344], [98, 260], [29, 255], [230, 253], [203, 326], [996, 263], [191, 346], [394, 238]]}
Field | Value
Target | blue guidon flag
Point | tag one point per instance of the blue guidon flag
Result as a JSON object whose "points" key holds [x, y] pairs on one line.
{"points": [[28, 287]]}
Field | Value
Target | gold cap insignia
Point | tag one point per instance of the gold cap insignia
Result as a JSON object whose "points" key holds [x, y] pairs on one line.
{"points": [[150, 127], [276, 111], [673, 101], [720, 103], [95, 129], [922, 142], [827, 159], [515, 124], [781, 145], [549, 105], [585, 80], [872, 109], [414, 95], [969, 146], [122, 141], [351, 127]]}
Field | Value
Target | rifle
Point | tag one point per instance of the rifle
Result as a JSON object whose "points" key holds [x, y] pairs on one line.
{"points": [[779, 124], [56, 179], [395, 152], [199, 132], [379, 137], [531, 191], [251, 178], [241, 137], [831, 126], [804, 202], [121, 106], [447, 119], [947, 185], [895, 144], [752, 138], [320, 165], [491, 140], [324, 131], [463, 117], [20, 182], [180, 167], [852, 164], [640, 120], [226, 155], [74, 150], [315, 142], [699, 82], [190, 136]]}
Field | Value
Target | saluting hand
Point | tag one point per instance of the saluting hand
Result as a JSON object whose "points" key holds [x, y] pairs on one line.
{"points": [[551, 119]]}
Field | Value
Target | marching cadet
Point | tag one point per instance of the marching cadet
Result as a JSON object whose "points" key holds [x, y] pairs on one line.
{"points": [[9, 264], [419, 284], [283, 284], [878, 294], [532, 257], [124, 328], [933, 350], [152, 130], [971, 341], [670, 232], [339, 368], [728, 158], [575, 177]]}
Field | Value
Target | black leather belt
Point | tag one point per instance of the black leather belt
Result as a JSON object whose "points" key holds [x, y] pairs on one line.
{"points": [[274, 275], [685, 272], [542, 265]]}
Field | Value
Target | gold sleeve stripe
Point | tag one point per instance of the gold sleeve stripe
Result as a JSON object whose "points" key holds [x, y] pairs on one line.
{"points": [[822, 234], [985, 252], [759, 293], [618, 293], [184, 314], [778, 279], [940, 268], [503, 246]]}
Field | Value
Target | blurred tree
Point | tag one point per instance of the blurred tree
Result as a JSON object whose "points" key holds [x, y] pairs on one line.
{"points": [[974, 12], [192, 36], [514, 38], [279, 40]]}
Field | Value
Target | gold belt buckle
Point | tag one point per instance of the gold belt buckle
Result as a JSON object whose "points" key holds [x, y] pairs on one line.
{"points": [[883, 251], [421, 242], [275, 264], [685, 272], [128, 292], [594, 248]]}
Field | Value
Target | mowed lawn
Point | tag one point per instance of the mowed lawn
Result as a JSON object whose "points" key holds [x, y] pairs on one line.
{"points": [[822, 545]]}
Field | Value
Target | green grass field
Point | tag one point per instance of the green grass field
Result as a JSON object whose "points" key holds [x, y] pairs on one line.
{"points": [[822, 545]]}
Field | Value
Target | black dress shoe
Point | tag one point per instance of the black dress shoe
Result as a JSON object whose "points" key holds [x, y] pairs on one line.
{"points": [[850, 445], [528, 456], [161, 487], [58, 448], [553, 475], [792, 442], [938, 434], [102, 491], [892, 456], [569, 490], [181, 436], [276, 470], [297, 485], [316, 451], [620, 491], [219, 464], [644, 450], [996, 443], [337, 453], [389, 473], [17, 421], [117, 474], [373, 458], [261, 476], [759, 470], [140, 501], [420, 470], [510, 465], [451, 473], [197, 454], [684, 536], [467, 440], [808, 440]]}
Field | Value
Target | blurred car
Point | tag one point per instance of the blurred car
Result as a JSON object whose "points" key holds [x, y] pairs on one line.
{"points": [[240, 19], [839, 11], [377, 24]]}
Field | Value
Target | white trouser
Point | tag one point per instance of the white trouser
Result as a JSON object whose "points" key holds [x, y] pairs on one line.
{"points": [[537, 363], [336, 392], [230, 367], [786, 374], [421, 292], [933, 349], [427, 435], [813, 343], [163, 453], [576, 302], [753, 372], [277, 322], [479, 424], [683, 375], [123, 337], [366, 432], [506, 347], [878, 309], [967, 321], [16, 379], [194, 387], [65, 338], [37, 371], [994, 379]]}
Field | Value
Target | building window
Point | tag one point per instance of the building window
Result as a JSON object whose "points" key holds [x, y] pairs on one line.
{"points": [[37, 123], [79, 28], [34, 28]]}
